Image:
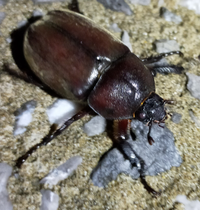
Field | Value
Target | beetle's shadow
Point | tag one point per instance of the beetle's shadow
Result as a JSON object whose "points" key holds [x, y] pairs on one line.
{"points": [[16, 46]]}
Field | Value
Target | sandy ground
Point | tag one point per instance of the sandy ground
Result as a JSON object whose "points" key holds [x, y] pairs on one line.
{"points": [[78, 192]]}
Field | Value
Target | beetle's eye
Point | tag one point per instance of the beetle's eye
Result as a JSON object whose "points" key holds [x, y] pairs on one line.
{"points": [[142, 115]]}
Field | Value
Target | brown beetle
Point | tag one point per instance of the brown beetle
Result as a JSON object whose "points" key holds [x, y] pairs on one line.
{"points": [[85, 63]]}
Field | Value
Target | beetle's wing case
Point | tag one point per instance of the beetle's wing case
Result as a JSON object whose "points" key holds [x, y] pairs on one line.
{"points": [[68, 52], [122, 89]]}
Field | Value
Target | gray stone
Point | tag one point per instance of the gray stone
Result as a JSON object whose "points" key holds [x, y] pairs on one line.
{"points": [[159, 157]]}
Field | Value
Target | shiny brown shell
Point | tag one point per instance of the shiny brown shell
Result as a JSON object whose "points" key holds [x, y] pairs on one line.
{"points": [[83, 62]]}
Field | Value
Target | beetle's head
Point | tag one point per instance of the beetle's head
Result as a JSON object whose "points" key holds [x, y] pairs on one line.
{"points": [[152, 110]]}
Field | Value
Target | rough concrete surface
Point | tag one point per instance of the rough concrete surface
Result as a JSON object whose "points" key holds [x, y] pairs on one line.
{"points": [[144, 27]]}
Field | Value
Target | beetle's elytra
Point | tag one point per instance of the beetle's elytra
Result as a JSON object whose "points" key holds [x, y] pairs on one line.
{"points": [[83, 62]]}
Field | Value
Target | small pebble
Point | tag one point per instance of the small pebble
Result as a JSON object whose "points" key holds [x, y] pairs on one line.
{"points": [[61, 110], [193, 85], [50, 200], [114, 27], [5, 172], [176, 117], [189, 205], [194, 118], [142, 2], [62, 172], [95, 126], [46, 1], [23, 117], [170, 16], [117, 5], [126, 40], [191, 5], [164, 45], [2, 16]]}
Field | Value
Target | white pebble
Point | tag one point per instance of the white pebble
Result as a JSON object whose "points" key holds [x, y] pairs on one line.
{"points": [[45, 1], [115, 27], [61, 110], [23, 117], [126, 40], [50, 200], [63, 171], [5, 172], [193, 85], [189, 205], [142, 2], [38, 13], [191, 5], [164, 45], [170, 16], [95, 126]]}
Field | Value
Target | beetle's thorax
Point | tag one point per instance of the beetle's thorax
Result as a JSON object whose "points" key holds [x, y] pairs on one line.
{"points": [[122, 88]]}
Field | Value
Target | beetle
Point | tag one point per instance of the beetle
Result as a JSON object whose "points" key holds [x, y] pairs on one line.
{"points": [[80, 61]]}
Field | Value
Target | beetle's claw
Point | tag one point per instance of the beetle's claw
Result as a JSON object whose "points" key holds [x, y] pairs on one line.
{"points": [[150, 190], [150, 140]]}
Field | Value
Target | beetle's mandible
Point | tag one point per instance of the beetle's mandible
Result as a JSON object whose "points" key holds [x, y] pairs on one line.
{"points": [[83, 62]]}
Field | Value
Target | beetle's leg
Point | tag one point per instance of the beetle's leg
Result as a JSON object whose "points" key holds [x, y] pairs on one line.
{"points": [[74, 6], [154, 59], [121, 134], [165, 69], [54, 132], [150, 139], [153, 65]]}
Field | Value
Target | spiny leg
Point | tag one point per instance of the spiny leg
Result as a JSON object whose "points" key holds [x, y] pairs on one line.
{"points": [[156, 58], [152, 64], [121, 131], [166, 69], [54, 132]]}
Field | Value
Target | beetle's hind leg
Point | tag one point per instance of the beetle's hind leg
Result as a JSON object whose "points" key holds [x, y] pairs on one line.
{"points": [[121, 130], [153, 64], [54, 132]]}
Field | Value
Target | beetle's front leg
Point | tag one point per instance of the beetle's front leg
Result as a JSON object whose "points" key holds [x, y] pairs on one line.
{"points": [[121, 130], [156, 58], [152, 64]]}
